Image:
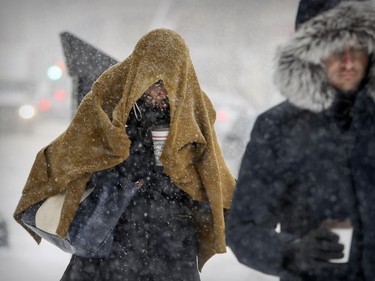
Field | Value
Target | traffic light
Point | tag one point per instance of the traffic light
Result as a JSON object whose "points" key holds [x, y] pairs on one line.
{"points": [[55, 71], [59, 95], [54, 99], [44, 104]]}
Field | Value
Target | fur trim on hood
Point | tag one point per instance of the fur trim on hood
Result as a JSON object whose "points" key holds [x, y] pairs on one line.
{"points": [[299, 73]]}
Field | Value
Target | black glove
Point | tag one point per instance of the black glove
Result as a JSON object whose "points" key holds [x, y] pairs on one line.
{"points": [[313, 251]]}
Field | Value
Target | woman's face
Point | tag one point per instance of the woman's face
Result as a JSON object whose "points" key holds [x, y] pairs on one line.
{"points": [[157, 95]]}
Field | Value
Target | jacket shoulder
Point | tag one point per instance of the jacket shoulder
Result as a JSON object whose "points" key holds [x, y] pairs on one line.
{"points": [[283, 114]]}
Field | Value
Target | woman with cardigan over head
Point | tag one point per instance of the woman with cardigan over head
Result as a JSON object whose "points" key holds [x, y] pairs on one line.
{"points": [[175, 223]]}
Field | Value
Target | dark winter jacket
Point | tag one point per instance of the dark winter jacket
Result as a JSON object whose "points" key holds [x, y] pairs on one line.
{"points": [[96, 140], [156, 237], [311, 157]]}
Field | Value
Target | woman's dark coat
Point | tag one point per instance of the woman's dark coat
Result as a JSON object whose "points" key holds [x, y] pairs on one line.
{"points": [[156, 237], [312, 157], [96, 140]]}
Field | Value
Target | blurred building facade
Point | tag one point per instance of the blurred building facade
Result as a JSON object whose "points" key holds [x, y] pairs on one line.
{"points": [[232, 44]]}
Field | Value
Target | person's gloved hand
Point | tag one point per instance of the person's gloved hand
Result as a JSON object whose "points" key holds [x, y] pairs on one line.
{"points": [[313, 251]]}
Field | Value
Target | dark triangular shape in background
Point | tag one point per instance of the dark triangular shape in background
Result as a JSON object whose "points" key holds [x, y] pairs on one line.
{"points": [[85, 64]]}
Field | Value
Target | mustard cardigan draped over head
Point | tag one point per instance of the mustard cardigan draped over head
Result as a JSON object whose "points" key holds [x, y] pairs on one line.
{"points": [[96, 138]]}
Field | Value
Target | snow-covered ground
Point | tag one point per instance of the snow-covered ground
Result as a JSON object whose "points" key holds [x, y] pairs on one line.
{"points": [[24, 259]]}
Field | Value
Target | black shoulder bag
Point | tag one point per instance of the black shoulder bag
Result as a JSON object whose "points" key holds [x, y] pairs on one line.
{"points": [[91, 232]]}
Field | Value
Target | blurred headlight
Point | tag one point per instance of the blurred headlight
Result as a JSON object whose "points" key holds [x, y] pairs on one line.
{"points": [[26, 112]]}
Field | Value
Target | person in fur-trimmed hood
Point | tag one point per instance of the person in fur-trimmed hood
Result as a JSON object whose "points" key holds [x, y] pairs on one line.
{"points": [[178, 217], [310, 163]]}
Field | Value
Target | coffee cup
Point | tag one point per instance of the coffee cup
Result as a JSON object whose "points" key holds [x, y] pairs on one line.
{"points": [[159, 137], [344, 229]]}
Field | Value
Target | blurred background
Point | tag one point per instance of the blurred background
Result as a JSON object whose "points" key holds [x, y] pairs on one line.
{"points": [[232, 44]]}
